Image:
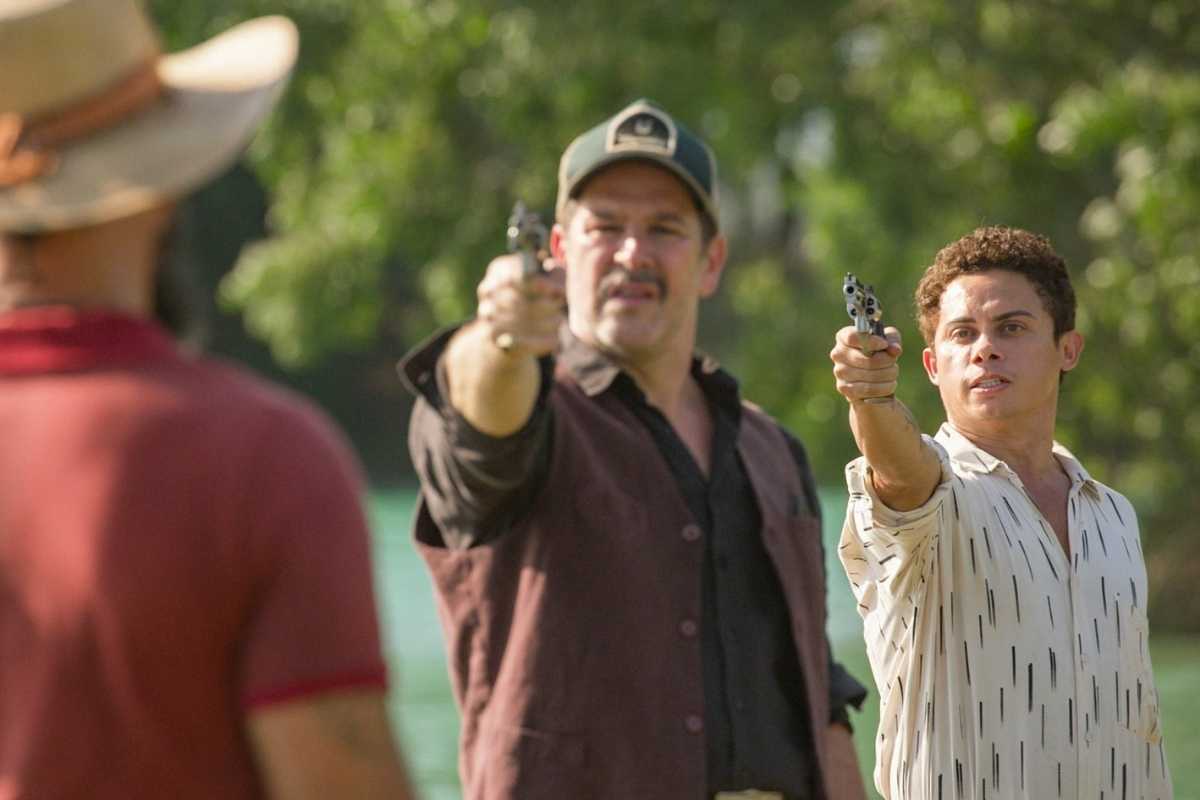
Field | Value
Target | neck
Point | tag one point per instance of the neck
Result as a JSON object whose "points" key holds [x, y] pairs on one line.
{"points": [[1027, 449], [663, 388], [673, 391], [110, 266]]}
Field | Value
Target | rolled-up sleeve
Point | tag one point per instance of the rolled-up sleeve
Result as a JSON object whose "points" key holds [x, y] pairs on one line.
{"points": [[473, 484], [878, 543]]}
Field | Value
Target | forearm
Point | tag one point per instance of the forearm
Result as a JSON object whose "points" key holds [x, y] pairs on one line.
{"points": [[335, 746], [493, 390], [904, 469]]}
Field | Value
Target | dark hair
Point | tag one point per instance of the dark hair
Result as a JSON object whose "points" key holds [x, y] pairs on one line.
{"points": [[998, 247], [179, 305]]}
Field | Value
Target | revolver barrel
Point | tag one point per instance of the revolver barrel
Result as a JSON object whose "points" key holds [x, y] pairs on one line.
{"points": [[862, 306]]}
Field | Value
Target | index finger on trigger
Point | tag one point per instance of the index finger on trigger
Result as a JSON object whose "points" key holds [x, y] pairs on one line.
{"points": [[504, 268], [869, 344], [847, 337]]}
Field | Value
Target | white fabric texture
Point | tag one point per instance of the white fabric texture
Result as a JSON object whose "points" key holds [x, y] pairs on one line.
{"points": [[1003, 670]]}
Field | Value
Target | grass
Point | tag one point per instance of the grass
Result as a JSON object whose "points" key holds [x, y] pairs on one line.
{"points": [[428, 721], [1177, 675]]}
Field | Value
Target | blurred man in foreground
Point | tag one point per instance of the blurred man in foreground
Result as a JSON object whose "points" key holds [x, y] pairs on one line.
{"points": [[1002, 588], [185, 594], [627, 555]]}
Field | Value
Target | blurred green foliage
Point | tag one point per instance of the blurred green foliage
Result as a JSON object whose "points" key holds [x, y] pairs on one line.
{"points": [[853, 136]]}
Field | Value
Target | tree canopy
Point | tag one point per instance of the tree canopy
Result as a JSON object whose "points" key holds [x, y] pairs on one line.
{"points": [[852, 136]]}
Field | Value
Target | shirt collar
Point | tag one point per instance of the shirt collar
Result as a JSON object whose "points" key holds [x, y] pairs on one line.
{"points": [[595, 373], [970, 458], [591, 369], [49, 339]]}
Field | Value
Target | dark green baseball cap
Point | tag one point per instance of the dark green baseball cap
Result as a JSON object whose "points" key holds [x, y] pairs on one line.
{"points": [[646, 132]]}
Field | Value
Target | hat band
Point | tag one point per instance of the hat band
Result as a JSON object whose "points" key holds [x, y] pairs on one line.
{"points": [[27, 147]]}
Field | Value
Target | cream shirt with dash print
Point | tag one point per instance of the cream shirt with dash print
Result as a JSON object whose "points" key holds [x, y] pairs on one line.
{"points": [[1003, 670]]}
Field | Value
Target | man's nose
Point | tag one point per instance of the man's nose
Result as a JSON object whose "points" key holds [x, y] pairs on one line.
{"points": [[634, 251], [985, 349]]}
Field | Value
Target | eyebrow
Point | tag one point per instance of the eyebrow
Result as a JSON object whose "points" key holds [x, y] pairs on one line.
{"points": [[1007, 315], [613, 215]]}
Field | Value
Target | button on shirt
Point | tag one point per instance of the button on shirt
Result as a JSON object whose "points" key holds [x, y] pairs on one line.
{"points": [[754, 716], [1005, 670], [755, 708]]}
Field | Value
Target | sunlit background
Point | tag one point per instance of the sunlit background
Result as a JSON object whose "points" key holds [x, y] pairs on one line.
{"points": [[852, 136]]}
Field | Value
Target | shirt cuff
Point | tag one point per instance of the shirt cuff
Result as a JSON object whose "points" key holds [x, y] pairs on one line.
{"points": [[866, 502], [418, 367], [374, 677], [844, 691], [422, 371]]}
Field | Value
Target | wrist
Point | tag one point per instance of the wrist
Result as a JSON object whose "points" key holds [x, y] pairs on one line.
{"points": [[873, 401]]}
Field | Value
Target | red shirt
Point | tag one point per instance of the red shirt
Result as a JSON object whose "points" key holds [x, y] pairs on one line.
{"points": [[180, 543]]}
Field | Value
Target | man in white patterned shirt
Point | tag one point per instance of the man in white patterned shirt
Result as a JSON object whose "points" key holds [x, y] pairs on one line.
{"points": [[1002, 589]]}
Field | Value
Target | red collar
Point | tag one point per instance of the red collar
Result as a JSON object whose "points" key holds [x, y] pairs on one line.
{"points": [[64, 339]]}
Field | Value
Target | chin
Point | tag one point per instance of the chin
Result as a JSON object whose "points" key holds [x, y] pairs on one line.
{"points": [[992, 416], [626, 338]]}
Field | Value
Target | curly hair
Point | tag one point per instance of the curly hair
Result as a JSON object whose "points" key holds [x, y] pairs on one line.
{"points": [[998, 247]]}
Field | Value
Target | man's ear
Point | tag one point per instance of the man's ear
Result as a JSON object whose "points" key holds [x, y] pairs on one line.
{"points": [[556, 242], [929, 360], [1070, 347], [714, 265]]}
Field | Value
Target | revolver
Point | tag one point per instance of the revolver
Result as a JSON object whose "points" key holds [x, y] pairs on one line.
{"points": [[862, 306], [528, 236]]}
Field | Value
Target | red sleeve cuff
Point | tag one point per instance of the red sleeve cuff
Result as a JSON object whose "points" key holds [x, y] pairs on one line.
{"points": [[374, 678]]}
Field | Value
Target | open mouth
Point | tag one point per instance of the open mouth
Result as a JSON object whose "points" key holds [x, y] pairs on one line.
{"points": [[632, 291], [989, 384]]}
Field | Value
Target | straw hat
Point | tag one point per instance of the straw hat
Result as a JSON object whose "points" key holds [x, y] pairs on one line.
{"points": [[97, 124]]}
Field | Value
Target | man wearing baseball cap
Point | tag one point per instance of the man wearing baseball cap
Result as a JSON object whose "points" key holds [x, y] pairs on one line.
{"points": [[626, 554], [185, 593]]}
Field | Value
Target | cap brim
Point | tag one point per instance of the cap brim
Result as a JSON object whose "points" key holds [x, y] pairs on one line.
{"points": [[216, 95]]}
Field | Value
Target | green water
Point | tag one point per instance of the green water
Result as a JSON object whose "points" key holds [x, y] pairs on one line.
{"points": [[423, 707]]}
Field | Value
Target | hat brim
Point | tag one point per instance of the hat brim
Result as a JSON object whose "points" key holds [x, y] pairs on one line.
{"points": [[215, 96]]}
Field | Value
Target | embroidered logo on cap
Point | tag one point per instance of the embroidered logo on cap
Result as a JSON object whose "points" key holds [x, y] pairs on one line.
{"points": [[642, 128]]}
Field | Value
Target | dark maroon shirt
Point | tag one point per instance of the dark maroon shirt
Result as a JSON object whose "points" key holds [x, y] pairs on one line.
{"points": [[477, 486]]}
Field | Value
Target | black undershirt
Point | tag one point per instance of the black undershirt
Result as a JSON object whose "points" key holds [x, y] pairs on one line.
{"points": [[756, 712]]}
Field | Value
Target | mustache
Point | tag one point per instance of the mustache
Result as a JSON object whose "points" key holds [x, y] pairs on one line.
{"points": [[621, 276]]}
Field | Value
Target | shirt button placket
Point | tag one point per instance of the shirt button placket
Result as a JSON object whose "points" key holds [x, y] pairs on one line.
{"points": [[1085, 727], [689, 628]]}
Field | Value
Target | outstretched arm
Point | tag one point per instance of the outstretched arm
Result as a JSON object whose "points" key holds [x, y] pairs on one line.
{"points": [[492, 362], [904, 469]]}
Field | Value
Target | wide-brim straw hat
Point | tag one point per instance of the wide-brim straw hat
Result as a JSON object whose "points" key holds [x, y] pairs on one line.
{"points": [[96, 123]]}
